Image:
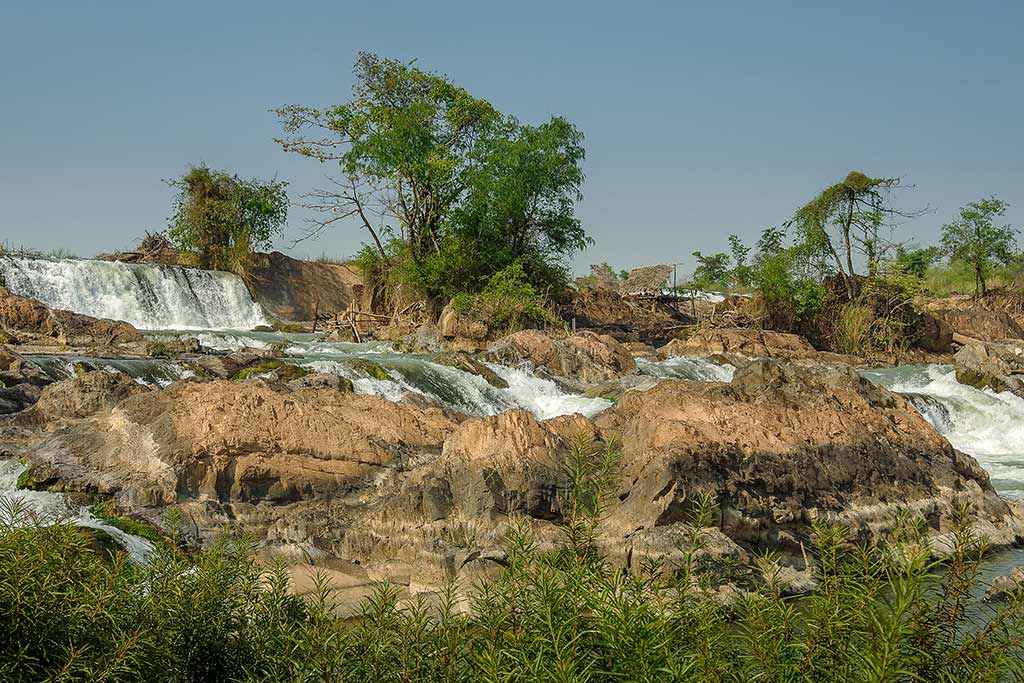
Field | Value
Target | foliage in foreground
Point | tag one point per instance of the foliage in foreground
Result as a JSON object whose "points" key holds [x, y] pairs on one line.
{"points": [[882, 613]]}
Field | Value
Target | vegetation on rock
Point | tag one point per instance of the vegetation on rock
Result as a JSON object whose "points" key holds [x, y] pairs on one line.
{"points": [[973, 240], [221, 219], [881, 612]]}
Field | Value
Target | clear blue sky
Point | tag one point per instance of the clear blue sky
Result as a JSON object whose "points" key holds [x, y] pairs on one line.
{"points": [[701, 118]]}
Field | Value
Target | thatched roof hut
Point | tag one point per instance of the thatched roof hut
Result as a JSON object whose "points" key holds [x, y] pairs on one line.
{"points": [[646, 281]]}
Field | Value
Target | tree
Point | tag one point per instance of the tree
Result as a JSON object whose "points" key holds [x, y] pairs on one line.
{"points": [[740, 252], [403, 142], [916, 261], [975, 241], [712, 272], [520, 199], [221, 219], [846, 219], [788, 280], [470, 190]]}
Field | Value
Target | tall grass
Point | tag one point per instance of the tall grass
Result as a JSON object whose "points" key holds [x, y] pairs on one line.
{"points": [[10, 249], [882, 612], [957, 277]]}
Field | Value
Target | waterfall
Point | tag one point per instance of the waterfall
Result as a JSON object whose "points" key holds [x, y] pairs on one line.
{"points": [[150, 297], [982, 423]]}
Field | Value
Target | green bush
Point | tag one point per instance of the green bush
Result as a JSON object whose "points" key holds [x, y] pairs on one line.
{"points": [[509, 302], [883, 611], [105, 511]]}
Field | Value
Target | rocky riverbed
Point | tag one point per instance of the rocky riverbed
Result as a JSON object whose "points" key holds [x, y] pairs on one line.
{"points": [[371, 463]]}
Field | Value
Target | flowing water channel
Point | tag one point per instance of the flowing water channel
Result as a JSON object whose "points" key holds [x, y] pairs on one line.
{"points": [[167, 301]]}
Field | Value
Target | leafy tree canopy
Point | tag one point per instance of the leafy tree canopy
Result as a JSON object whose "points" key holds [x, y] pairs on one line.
{"points": [[463, 189], [221, 219], [845, 220], [973, 239], [712, 271]]}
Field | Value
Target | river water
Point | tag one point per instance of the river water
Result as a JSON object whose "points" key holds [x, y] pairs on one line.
{"points": [[216, 308]]}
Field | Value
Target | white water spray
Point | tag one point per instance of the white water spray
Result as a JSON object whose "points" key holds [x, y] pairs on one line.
{"points": [[150, 297], [985, 424], [46, 508]]}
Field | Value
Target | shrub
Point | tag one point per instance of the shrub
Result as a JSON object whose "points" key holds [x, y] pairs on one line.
{"points": [[508, 303], [853, 329], [883, 611]]}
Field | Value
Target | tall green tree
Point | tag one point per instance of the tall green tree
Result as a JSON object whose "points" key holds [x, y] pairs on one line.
{"points": [[465, 190], [740, 253], [222, 219], [973, 239], [846, 219], [404, 144]]}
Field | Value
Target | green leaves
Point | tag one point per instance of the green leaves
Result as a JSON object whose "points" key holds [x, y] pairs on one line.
{"points": [[222, 219], [975, 241], [469, 189]]}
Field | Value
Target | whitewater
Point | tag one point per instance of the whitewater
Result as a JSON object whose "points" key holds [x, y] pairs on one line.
{"points": [[983, 423], [150, 297]]}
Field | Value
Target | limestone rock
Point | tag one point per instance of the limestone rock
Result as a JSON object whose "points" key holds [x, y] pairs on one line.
{"points": [[999, 367], [977, 322], [32, 321], [1003, 588], [83, 396], [461, 361], [782, 445], [247, 442], [294, 290], [744, 342], [587, 357], [322, 380]]}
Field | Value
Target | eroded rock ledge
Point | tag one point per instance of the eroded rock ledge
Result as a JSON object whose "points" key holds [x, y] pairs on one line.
{"points": [[417, 494]]}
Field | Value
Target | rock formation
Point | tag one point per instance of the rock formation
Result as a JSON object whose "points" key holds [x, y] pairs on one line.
{"points": [[294, 290], [416, 494], [34, 323], [995, 366], [585, 357]]}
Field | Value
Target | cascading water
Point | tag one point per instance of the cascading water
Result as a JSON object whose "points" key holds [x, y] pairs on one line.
{"points": [[150, 297], [43, 507], [985, 424], [690, 368]]}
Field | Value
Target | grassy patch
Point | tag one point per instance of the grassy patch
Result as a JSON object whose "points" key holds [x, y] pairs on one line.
{"points": [[372, 369], [285, 371], [957, 277], [25, 479], [159, 349], [105, 511]]}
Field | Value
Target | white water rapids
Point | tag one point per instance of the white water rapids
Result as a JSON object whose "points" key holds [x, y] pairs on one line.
{"points": [[984, 424], [147, 296], [24, 507]]}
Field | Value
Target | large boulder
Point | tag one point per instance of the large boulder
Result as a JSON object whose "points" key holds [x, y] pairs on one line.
{"points": [[83, 396], [934, 334], [21, 382], [783, 445], [586, 357], [227, 442], [460, 333], [294, 290], [32, 321], [975, 321], [742, 342], [999, 367]]}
